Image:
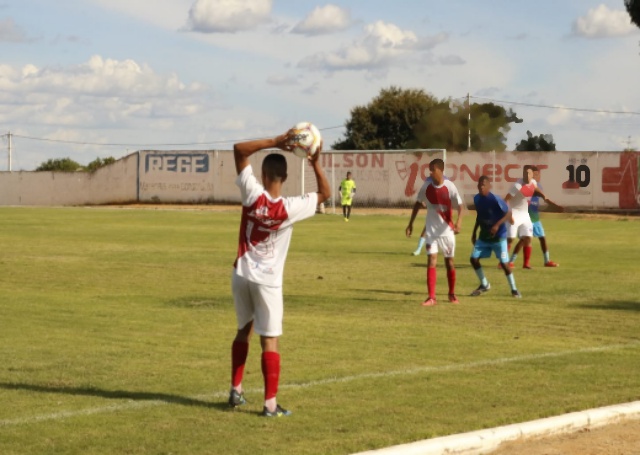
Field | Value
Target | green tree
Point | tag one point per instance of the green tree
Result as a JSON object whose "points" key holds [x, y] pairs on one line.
{"points": [[98, 163], [59, 165], [411, 118], [542, 143], [387, 122], [633, 7]]}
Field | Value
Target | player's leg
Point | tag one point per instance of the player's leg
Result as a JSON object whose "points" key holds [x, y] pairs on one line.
{"points": [[516, 251], [479, 251], [344, 211], [240, 346], [525, 232], [538, 231], [268, 324], [502, 253], [432, 255], [512, 233], [448, 246], [348, 211]]}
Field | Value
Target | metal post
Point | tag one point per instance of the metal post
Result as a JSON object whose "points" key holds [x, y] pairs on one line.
{"points": [[9, 135], [468, 122]]}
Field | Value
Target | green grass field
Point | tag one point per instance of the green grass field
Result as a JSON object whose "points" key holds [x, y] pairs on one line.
{"points": [[116, 325]]}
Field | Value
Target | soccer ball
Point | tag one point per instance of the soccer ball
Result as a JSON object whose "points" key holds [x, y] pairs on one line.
{"points": [[306, 139]]}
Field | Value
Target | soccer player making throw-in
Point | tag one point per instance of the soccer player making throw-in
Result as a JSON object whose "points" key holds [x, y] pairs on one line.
{"points": [[441, 197], [265, 233]]}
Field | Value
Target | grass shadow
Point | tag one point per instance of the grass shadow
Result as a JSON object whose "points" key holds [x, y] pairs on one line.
{"points": [[201, 302], [610, 305], [114, 394]]}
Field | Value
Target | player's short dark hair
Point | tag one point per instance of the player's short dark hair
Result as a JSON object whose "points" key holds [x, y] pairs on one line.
{"points": [[482, 179], [437, 163], [534, 168], [274, 167], [527, 167]]}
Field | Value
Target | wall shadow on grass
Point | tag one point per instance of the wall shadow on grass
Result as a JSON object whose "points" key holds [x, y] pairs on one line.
{"points": [[616, 305], [114, 394]]}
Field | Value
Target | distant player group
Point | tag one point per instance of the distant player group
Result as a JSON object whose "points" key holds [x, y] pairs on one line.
{"points": [[500, 222]]}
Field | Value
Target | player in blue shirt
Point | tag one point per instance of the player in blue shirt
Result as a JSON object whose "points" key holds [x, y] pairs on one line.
{"points": [[491, 214]]}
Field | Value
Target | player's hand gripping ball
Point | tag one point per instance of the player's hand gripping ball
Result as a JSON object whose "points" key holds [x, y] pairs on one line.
{"points": [[305, 139]]}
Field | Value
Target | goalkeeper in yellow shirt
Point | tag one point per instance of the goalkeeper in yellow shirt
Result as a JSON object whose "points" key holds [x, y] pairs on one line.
{"points": [[347, 190]]}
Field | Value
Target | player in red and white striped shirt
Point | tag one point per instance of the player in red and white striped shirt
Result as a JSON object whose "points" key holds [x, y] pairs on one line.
{"points": [[265, 233], [440, 196]]}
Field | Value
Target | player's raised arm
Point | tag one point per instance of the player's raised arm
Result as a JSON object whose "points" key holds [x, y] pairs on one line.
{"points": [[324, 190], [243, 150]]}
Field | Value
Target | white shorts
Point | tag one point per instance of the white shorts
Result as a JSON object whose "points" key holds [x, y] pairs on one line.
{"points": [[258, 303], [521, 227], [444, 243]]}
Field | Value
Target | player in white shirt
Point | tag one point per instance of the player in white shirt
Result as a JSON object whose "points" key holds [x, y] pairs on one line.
{"points": [[265, 234], [440, 196], [518, 198]]}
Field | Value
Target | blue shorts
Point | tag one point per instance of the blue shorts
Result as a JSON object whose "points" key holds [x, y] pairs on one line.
{"points": [[483, 249], [538, 230]]}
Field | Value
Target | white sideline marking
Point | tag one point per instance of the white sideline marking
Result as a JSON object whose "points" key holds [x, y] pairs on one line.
{"points": [[141, 404], [487, 441]]}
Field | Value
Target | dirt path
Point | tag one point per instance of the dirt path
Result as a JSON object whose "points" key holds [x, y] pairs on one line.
{"points": [[615, 439]]}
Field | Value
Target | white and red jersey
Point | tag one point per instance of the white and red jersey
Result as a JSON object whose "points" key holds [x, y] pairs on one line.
{"points": [[265, 229], [521, 194], [440, 201]]}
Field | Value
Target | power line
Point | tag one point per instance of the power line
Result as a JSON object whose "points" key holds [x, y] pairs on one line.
{"points": [[579, 109], [107, 144]]}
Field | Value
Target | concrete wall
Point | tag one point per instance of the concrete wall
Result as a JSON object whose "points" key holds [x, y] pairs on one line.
{"points": [[115, 183], [592, 180]]}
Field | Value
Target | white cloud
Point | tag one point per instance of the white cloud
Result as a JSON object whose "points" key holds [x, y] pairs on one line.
{"points": [[323, 20], [280, 80], [451, 60], [10, 32], [602, 22], [99, 92], [228, 16], [559, 116], [381, 46]]}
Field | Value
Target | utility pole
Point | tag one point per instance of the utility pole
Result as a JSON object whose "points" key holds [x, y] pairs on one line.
{"points": [[9, 136], [469, 122]]}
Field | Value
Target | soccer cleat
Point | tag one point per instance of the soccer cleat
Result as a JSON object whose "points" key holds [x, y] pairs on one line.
{"points": [[279, 412], [347, 220], [416, 253], [481, 290], [511, 265], [551, 264], [453, 299], [429, 302], [526, 266], [236, 398], [515, 294]]}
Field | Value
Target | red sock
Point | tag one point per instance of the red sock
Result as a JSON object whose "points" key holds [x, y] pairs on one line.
{"points": [[451, 278], [527, 255], [239, 351], [431, 282], [271, 373]]}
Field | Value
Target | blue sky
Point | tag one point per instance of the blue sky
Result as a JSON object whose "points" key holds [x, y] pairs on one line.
{"points": [[142, 74]]}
